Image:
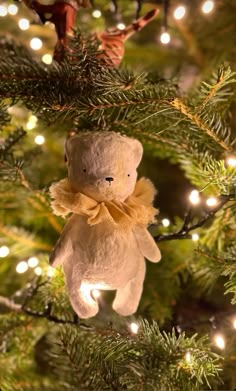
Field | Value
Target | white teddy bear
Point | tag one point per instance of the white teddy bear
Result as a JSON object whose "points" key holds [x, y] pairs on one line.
{"points": [[104, 242]]}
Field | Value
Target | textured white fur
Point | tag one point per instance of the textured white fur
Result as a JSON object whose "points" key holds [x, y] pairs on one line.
{"points": [[102, 256]]}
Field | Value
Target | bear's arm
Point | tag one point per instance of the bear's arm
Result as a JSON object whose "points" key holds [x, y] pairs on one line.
{"points": [[147, 244], [62, 249]]}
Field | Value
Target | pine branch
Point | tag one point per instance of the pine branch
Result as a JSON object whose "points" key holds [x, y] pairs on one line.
{"points": [[187, 227]]}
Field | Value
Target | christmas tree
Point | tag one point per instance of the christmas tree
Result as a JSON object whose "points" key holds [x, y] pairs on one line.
{"points": [[172, 88]]}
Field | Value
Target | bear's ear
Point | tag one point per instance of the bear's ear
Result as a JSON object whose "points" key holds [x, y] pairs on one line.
{"points": [[137, 149], [71, 145]]}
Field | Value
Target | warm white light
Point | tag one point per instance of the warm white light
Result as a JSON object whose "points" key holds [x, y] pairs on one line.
{"points": [[33, 262], [208, 6], [3, 10], [212, 201], [219, 341], [120, 26], [165, 222], [231, 161], [47, 59], [96, 293], [12, 9], [38, 271], [179, 12], [188, 357], [134, 327], [36, 43], [165, 38], [194, 197], [4, 251], [195, 237], [22, 267], [23, 24], [32, 121], [40, 140], [97, 14], [50, 272], [234, 323]]}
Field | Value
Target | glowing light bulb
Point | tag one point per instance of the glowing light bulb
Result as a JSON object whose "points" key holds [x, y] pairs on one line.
{"points": [[24, 24], [33, 262], [4, 251], [38, 271], [234, 323], [96, 293], [40, 140], [219, 341], [231, 161], [188, 357], [22, 267], [195, 237], [97, 14], [32, 121], [208, 6], [36, 43], [194, 197], [165, 222], [212, 201], [134, 327], [165, 38], [50, 272], [179, 12], [120, 26], [3, 10], [47, 58], [12, 9]]}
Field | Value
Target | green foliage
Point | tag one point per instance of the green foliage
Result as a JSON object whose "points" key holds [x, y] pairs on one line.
{"points": [[150, 360]]}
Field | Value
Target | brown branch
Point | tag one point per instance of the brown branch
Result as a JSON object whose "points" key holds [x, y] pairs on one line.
{"points": [[187, 227]]}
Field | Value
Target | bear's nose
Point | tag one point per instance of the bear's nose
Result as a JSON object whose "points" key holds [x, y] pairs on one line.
{"points": [[109, 179]]}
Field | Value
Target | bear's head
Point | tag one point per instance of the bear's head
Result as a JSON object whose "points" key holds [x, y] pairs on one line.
{"points": [[102, 165]]}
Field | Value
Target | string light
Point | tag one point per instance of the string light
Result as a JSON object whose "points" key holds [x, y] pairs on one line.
{"points": [[234, 323], [231, 161], [22, 267], [120, 26], [212, 201], [3, 10], [195, 237], [134, 327], [219, 341], [208, 6], [32, 121], [96, 293], [97, 14], [188, 357], [24, 24], [179, 12], [50, 272], [33, 262], [12, 9], [38, 271], [40, 140], [47, 58], [36, 43], [194, 197], [165, 38], [4, 251], [165, 222]]}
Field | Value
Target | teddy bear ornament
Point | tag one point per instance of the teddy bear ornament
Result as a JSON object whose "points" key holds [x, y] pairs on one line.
{"points": [[105, 240]]}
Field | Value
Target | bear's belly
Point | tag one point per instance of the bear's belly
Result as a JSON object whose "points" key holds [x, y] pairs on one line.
{"points": [[103, 254]]}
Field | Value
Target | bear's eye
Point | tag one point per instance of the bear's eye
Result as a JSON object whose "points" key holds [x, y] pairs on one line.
{"points": [[84, 170], [128, 174]]}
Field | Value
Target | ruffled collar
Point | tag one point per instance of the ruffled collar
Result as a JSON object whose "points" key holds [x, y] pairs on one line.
{"points": [[137, 209]]}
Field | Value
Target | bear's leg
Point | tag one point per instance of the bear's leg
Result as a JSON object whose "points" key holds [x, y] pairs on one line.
{"points": [[127, 298], [80, 296]]}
